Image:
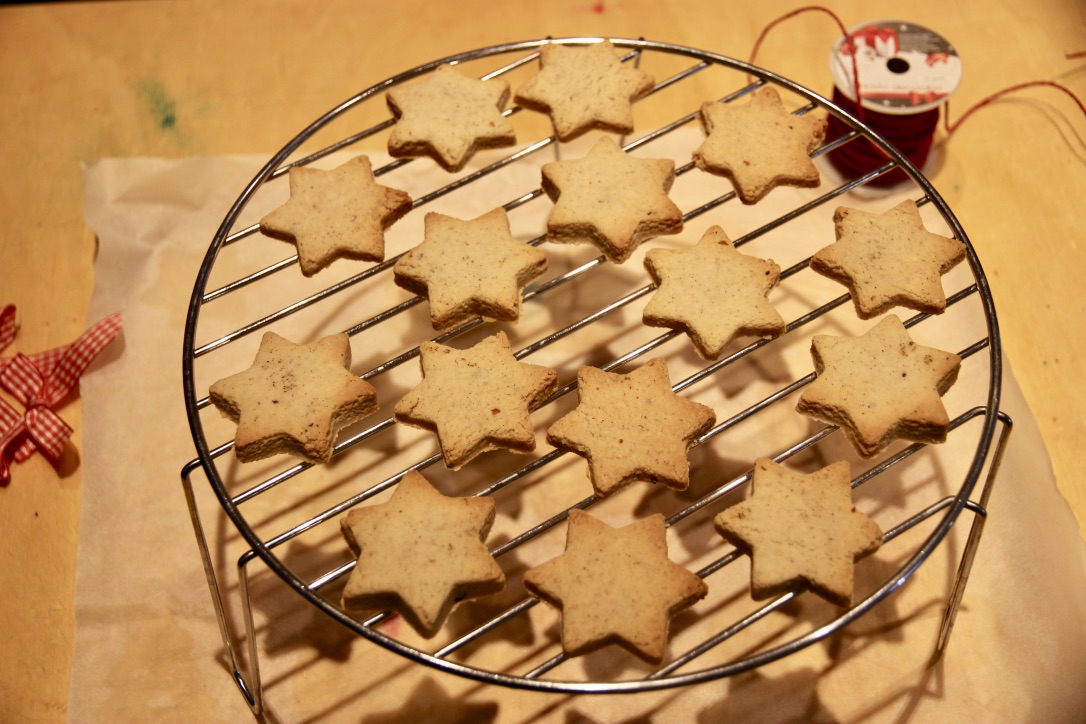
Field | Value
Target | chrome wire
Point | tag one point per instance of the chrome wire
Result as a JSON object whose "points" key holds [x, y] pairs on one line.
{"points": [[263, 548]]}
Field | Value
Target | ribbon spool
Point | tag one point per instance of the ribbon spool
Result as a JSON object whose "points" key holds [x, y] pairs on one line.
{"points": [[906, 73]]}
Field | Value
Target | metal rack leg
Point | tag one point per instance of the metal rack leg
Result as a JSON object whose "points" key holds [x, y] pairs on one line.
{"points": [[257, 704], [975, 532], [250, 688]]}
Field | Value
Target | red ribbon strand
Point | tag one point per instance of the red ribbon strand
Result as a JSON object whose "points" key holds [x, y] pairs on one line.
{"points": [[40, 382]]}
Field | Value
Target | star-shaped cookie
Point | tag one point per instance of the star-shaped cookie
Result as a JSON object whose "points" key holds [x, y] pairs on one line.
{"points": [[469, 268], [294, 398], [611, 199], [713, 293], [449, 116], [476, 399], [889, 260], [632, 427], [584, 87], [341, 213], [759, 145], [615, 586], [800, 531], [420, 553], [880, 386]]}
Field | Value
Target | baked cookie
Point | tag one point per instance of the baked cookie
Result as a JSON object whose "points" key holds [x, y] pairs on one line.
{"points": [[420, 553], [713, 293], [889, 260], [615, 586], [341, 213], [801, 531], [294, 398], [449, 116], [880, 387], [584, 87], [469, 268], [611, 200], [476, 399], [631, 427], [759, 145]]}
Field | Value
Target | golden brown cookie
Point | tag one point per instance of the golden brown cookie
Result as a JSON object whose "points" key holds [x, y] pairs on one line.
{"points": [[469, 269], [759, 145], [584, 87], [477, 399], [611, 200], [615, 586], [294, 398], [713, 293], [632, 427], [889, 260], [880, 387], [449, 116], [801, 531], [420, 553], [336, 214]]}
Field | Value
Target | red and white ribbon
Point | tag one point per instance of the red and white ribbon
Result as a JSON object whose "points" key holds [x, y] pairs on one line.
{"points": [[40, 382]]}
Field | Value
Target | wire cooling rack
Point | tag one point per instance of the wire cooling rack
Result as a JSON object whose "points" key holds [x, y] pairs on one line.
{"points": [[288, 514]]}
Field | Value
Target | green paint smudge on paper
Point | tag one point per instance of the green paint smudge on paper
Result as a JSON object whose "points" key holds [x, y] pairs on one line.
{"points": [[161, 105]]}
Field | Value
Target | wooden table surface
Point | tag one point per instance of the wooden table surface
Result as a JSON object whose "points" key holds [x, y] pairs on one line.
{"points": [[88, 80]]}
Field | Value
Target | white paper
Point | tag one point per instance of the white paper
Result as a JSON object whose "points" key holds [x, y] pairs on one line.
{"points": [[147, 646]]}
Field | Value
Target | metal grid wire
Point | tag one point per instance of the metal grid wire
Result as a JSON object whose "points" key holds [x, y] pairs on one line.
{"points": [[213, 456]]}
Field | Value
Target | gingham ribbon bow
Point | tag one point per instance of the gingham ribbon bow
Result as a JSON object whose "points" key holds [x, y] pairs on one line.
{"points": [[40, 381]]}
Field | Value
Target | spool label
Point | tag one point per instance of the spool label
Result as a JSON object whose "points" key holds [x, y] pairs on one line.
{"points": [[904, 68]]}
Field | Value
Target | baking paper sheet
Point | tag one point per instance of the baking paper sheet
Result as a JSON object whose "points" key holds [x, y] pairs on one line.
{"points": [[147, 646]]}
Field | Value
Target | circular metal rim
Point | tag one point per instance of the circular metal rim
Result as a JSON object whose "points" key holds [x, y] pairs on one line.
{"points": [[580, 687]]}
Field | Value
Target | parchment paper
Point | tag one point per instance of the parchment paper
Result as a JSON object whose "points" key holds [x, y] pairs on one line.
{"points": [[147, 646]]}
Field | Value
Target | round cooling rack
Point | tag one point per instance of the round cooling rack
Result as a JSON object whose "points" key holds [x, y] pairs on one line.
{"points": [[288, 514]]}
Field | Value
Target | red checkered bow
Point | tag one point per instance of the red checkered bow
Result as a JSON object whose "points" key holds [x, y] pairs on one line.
{"points": [[40, 381]]}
